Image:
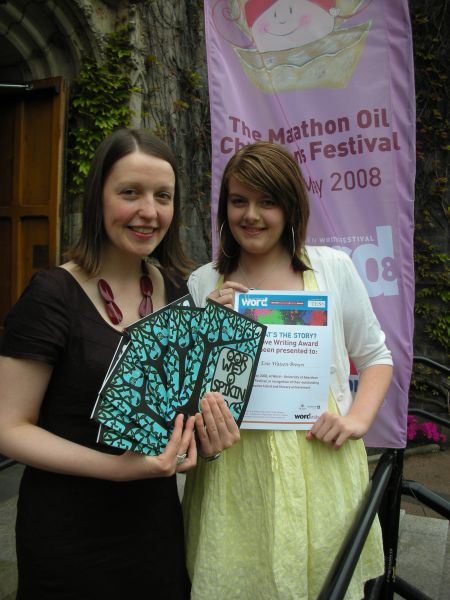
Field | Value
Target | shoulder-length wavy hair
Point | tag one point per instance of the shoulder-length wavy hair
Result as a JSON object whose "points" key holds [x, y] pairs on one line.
{"points": [[87, 252], [271, 169]]}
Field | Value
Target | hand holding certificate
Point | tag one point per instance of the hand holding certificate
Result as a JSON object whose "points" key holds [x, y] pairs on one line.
{"points": [[291, 384]]}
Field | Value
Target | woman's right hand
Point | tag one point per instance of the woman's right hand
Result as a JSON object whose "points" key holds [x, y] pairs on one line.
{"points": [[224, 294], [181, 444]]}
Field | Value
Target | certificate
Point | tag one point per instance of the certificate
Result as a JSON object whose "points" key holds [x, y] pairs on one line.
{"points": [[291, 385]]}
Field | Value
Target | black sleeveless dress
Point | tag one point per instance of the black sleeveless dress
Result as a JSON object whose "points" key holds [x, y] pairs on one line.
{"points": [[83, 538]]}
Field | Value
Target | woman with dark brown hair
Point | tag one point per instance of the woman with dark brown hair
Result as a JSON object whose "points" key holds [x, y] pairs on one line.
{"points": [[94, 522], [267, 519]]}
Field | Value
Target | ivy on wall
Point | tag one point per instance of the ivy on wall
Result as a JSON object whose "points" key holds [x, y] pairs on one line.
{"points": [[430, 25], [176, 108], [99, 103], [432, 261]]}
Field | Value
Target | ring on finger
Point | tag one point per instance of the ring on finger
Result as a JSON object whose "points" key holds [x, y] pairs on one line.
{"points": [[181, 458]]}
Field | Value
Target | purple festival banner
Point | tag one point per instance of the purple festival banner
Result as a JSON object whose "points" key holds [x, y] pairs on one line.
{"points": [[333, 82]]}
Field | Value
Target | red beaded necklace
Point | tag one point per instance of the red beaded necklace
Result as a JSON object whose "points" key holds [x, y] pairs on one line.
{"points": [[113, 311]]}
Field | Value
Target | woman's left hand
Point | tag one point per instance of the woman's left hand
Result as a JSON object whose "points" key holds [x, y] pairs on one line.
{"points": [[215, 425], [225, 293], [334, 430]]}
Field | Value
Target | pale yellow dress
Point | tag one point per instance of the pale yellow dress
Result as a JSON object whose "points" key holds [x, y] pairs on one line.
{"points": [[265, 520]]}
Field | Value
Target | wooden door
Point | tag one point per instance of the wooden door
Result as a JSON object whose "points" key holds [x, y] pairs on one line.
{"points": [[31, 142]]}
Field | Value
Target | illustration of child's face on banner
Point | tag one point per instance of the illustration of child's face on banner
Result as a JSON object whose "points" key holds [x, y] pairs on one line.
{"points": [[286, 24], [288, 45]]}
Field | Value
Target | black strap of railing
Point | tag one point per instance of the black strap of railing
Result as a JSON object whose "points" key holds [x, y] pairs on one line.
{"points": [[6, 462], [427, 497], [408, 591], [431, 416], [431, 363], [340, 575], [389, 514]]}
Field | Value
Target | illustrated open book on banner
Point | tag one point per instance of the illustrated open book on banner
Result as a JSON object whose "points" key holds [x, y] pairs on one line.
{"points": [[165, 363]]}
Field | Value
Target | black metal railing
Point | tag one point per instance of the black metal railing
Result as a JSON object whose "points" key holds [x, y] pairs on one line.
{"points": [[427, 497], [384, 496], [432, 363], [341, 573], [6, 462], [431, 416]]}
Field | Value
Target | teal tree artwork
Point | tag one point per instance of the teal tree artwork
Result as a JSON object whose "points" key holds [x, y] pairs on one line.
{"points": [[166, 362]]}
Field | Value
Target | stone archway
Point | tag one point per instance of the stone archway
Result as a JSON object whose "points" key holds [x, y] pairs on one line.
{"points": [[45, 38]]}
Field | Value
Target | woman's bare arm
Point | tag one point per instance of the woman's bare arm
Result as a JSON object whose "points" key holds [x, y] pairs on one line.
{"points": [[23, 384]]}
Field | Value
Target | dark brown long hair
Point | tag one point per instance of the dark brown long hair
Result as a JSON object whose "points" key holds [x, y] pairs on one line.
{"points": [[271, 169], [87, 252]]}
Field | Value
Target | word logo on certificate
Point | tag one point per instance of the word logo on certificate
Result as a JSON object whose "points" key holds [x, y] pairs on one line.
{"points": [[291, 385]]}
